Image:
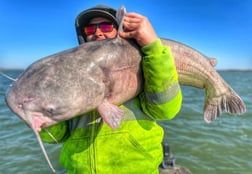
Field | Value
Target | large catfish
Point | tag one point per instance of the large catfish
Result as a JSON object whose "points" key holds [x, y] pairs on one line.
{"points": [[102, 74]]}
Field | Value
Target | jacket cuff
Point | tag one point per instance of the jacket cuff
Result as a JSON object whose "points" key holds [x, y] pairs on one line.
{"points": [[156, 47]]}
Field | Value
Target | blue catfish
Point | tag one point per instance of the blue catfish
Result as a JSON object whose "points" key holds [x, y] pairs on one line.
{"points": [[103, 74]]}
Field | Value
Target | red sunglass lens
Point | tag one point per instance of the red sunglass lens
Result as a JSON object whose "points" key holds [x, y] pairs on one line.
{"points": [[106, 27], [90, 29]]}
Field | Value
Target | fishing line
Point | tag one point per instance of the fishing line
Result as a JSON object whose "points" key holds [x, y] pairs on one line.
{"points": [[51, 135], [8, 77]]}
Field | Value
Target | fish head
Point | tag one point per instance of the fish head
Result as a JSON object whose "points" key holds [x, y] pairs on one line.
{"points": [[55, 89]]}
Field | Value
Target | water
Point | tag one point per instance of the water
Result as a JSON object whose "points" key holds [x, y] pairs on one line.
{"points": [[222, 147]]}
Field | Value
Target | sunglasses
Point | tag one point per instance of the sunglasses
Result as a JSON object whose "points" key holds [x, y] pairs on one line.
{"points": [[103, 26]]}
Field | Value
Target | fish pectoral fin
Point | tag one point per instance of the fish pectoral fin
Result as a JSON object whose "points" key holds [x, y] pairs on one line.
{"points": [[111, 114]]}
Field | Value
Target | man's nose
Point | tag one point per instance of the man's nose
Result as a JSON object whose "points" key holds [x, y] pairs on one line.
{"points": [[98, 32]]}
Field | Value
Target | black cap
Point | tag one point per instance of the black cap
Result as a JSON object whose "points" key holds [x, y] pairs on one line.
{"points": [[84, 18]]}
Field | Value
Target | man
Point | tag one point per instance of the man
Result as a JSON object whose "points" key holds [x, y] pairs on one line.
{"points": [[90, 146]]}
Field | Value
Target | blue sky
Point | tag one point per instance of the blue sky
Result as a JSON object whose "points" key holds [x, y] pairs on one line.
{"points": [[222, 29]]}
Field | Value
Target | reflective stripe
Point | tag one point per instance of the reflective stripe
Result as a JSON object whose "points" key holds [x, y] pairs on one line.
{"points": [[164, 96]]}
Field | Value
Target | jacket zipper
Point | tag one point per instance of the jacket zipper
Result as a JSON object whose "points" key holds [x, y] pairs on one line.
{"points": [[92, 145]]}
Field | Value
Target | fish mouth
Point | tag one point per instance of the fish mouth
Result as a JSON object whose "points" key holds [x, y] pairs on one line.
{"points": [[27, 109], [37, 121]]}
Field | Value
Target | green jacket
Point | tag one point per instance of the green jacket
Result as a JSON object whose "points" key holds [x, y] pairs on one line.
{"points": [[90, 146]]}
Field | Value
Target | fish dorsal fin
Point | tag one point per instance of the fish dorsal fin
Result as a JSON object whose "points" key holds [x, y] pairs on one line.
{"points": [[212, 61], [119, 17]]}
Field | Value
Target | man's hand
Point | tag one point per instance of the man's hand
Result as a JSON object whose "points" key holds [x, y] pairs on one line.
{"points": [[139, 28]]}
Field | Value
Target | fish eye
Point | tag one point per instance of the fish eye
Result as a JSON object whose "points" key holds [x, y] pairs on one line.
{"points": [[49, 111]]}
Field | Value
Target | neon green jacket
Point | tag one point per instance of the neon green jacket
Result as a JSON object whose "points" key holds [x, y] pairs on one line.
{"points": [[91, 147]]}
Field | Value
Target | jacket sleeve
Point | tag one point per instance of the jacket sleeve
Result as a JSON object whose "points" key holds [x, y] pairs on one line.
{"points": [[55, 134], [162, 96]]}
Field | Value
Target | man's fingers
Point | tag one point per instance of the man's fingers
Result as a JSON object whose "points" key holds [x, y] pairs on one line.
{"points": [[127, 35], [133, 15], [130, 26]]}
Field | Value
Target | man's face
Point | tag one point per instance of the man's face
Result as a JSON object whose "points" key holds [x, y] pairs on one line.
{"points": [[99, 34]]}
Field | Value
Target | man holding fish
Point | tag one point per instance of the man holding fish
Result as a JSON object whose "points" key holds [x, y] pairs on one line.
{"points": [[90, 146]]}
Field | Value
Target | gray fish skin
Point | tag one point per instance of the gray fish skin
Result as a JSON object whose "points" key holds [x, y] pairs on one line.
{"points": [[78, 80], [195, 69]]}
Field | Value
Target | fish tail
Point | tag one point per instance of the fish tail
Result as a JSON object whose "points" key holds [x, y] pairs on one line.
{"points": [[229, 102]]}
